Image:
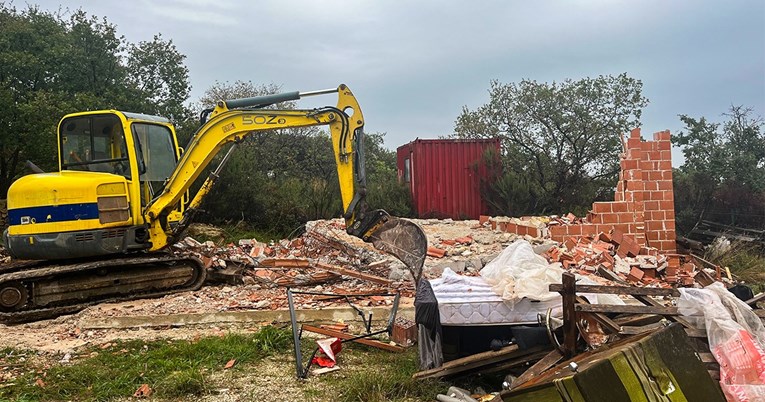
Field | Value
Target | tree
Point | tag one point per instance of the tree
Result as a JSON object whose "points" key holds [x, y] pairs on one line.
{"points": [[51, 65], [561, 141], [723, 176]]}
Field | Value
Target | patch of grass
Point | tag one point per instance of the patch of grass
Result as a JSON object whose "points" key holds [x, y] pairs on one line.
{"points": [[746, 262], [172, 369], [372, 375]]}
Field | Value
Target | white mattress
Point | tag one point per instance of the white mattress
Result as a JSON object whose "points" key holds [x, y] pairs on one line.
{"points": [[465, 300]]}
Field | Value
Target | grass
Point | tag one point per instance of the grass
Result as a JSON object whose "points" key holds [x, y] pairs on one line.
{"points": [[372, 375], [746, 262], [171, 368], [187, 370]]}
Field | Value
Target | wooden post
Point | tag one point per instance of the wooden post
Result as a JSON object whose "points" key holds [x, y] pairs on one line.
{"points": [[569, 314]]}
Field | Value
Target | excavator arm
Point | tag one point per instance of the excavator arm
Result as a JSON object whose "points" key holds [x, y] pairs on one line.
{"points": [[231, 121]]}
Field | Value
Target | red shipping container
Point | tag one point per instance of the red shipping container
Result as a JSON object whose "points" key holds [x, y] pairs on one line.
{"points": [[444, 176]]}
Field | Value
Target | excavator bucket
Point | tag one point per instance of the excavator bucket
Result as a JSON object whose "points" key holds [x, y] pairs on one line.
{"points": [[406, 241]]}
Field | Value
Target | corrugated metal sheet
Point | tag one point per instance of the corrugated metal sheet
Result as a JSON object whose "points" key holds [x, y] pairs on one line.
{"points": [[444, 176]]}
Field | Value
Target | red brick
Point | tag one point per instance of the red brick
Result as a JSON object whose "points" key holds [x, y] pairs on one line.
{"points": [[436, 252], [669, 224], [534, 232], [626, 217], [662, 136], [511, 227], [630, 164], [665, 185], [636, 274], [666, 155], [667, 205], [575, 230], [665, 165], [633, 143], [601, 207], [629, 246], [652, 236], [588, 230], [666, 175], [654, 175], [610, 218], [483, 219], [651, 205], [635, 133], [665, 146], [638, 196], [558, 230]]}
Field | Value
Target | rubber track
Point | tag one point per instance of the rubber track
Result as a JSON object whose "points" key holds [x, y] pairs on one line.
{"points": [[24, 271]]}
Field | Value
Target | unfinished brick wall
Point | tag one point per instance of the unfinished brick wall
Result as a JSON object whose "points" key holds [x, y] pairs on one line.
{"points": [[643, 208]]}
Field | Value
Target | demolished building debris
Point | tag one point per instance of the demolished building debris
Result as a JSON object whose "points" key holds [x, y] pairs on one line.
{"points": [[612, 292]]}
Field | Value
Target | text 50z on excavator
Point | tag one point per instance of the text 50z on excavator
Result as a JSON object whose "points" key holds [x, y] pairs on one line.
{"points": [[95, 227]]}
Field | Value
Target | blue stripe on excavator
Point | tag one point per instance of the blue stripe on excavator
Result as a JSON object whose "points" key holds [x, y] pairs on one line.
{"points": [[59, 213]]}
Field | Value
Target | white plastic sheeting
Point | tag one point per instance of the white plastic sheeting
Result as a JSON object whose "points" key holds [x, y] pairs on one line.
{"points": [[518, 272]]}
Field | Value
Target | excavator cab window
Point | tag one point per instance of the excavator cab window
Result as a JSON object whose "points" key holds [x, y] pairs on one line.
{"points": [[94, 143], [155, 151]]}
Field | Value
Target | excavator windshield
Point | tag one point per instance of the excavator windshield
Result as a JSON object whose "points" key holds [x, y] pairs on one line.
{"points": [[155, 152], [93, 143]]}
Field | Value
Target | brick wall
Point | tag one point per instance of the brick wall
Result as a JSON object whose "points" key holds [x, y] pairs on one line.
{"points": [[643, 208]]}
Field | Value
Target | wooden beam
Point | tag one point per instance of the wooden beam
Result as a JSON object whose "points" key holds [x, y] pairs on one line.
{"points": [[568, 292], [604, 321], [618, 290], [541, 366], [354, 274], [615, 308], [477, 361], [651, 302], [345, 336], [754, 300]]}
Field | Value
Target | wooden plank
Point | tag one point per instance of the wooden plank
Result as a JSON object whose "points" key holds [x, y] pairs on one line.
{"points": [[757, 298], [696, 333], [538, 368], [707, 357], [614, 308], [637, 330], [285, 262], [469, 362], [637, 319], [610, 275], [363, 341], [526, 359], [604, 321], [354, 274], [569, 314], [618, 290], [651, 302]]}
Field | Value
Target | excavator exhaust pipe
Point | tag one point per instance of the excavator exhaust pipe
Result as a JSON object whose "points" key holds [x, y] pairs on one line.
{"points": [[406, 241]]}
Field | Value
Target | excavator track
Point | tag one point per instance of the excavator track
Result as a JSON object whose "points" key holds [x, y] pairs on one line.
{"points": [[38, 290]]}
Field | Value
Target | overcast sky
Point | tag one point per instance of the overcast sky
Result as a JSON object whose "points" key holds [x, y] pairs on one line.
{"points": [[414, 64]]}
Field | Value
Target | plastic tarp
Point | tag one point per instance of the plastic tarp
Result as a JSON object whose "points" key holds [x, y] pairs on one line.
{"points": [[736, 339], [519, 272]]}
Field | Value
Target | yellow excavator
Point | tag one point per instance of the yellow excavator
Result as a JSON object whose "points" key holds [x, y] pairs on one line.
{"points": [[95, 230]]}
